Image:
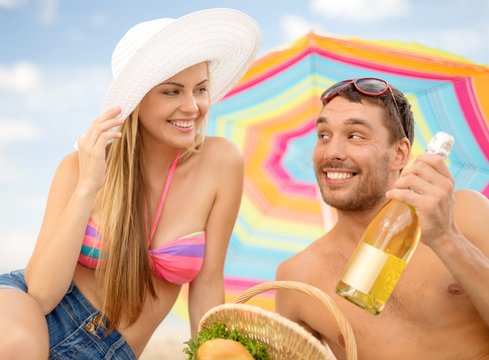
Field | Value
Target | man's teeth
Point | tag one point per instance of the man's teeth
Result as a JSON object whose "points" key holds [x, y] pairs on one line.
{"points": [[338, 175], [182, 124]]}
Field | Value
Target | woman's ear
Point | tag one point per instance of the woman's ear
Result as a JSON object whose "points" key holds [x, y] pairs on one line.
{"points": [[401, 155]]}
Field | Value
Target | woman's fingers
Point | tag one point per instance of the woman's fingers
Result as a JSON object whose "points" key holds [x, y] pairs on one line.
{"points": [[91, 149], [106, 136], [104, 123]]}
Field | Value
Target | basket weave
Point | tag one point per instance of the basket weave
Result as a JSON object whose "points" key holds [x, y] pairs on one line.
{"points": [[284, 339]]}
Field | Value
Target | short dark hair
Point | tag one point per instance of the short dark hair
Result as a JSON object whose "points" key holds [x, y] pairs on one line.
{"points": [[386, 101]]}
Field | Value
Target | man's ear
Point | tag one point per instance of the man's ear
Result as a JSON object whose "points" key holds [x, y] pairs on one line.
{"points": [[401, 155]]}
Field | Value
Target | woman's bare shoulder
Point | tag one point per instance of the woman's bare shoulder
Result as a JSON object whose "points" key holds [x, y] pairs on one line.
{"points": [[222, 152], [222, 146], [68, 166], [66, 176]]}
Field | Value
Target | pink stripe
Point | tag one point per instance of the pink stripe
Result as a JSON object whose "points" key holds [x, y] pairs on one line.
{"points": [[340, 58], [384, 68], [474, 117], [177, 262], [486, 191], [236, 283], [274, 166], [88, 261], [174, 278], [177, 269], [163, 196], [93, 225], [240, 285], [91, 242], [274, 71], [194, 240]]}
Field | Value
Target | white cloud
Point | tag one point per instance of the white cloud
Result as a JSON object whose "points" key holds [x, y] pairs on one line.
{"points": [[11, 3], [16, 247], [459, 41], [293, 27], [75, 35], [9, 174], [14, 131], [99, 19], [69, 92], [360, 10], [465, 42], [48, 10], [21, 77], [35, 203]]}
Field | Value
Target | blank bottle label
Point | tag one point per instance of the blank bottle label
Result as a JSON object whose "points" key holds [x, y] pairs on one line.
{"points": [[364, 267]]}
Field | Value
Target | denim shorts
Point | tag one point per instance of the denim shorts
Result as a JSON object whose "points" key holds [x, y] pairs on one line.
{"points": [[75, 327]]}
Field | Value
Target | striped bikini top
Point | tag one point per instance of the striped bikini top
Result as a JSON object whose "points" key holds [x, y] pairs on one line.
{"points": [[178, 261]]}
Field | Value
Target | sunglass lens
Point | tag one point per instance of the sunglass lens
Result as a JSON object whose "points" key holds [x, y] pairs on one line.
{"points": [[333, 89], [371, 86]]}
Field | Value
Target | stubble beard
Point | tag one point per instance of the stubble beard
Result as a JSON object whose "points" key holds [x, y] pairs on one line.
{"points": [[363, 197]]}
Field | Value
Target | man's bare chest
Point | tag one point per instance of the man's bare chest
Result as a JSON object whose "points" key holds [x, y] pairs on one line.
{"points": [[426, 300]]}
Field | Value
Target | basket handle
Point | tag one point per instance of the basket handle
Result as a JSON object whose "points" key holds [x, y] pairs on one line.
{"points": [[343, 323]]}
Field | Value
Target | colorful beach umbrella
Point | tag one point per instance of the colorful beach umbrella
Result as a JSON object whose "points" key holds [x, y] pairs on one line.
{"points": [[271, 115]]}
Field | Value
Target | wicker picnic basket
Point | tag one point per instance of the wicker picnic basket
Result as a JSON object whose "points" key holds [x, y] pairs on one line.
{"points": [[285, 339]]}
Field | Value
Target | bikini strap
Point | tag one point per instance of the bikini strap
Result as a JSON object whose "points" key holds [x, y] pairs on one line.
{"points": [[163, 197]]}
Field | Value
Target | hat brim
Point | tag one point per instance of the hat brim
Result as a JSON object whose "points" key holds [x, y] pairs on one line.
{"points": [[227, 39]]}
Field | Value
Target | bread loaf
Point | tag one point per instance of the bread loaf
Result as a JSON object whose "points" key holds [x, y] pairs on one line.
{"points": [[223, 349]]}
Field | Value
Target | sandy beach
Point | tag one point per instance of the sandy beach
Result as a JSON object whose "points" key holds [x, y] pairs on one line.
{"points": [[167, 342]]}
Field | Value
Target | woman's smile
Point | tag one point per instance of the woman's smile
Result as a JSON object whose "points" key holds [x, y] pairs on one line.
{"points": [[184, 125]]}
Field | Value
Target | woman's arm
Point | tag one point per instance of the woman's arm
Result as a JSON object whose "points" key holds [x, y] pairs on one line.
{"points": [[75, 185], [207, 289]]}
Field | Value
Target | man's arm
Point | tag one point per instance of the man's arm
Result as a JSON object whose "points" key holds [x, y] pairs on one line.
{"points": [[466, 253]]}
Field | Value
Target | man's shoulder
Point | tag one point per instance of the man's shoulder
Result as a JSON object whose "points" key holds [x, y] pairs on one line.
{"points": [[468, 198], [472, 217]]}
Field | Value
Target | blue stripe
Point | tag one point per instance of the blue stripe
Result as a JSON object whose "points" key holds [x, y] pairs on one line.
{"points": [[89, 251]]}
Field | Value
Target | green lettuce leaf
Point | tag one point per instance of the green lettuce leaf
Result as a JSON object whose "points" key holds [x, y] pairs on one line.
{"points": [[218, 330]]}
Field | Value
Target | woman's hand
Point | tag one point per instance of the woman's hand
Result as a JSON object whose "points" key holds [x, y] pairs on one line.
{"points": [[91, 149]]}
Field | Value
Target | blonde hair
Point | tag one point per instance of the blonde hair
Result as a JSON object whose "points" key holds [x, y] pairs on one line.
{"points": [[124, 273]]}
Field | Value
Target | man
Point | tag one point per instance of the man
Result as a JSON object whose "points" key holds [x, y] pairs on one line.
{"points": [[440, 306]]}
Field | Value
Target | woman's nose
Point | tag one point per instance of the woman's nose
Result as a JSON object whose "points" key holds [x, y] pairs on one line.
{"points": [[189, 104]]}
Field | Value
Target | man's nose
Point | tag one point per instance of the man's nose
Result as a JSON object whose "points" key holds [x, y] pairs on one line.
{"points": [[334, 149]]}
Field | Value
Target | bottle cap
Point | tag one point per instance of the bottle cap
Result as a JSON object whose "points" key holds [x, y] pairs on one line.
{"points": [[441, 144]]}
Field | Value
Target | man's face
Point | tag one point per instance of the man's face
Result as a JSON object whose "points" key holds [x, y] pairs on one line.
{"points": [[352, 155]]}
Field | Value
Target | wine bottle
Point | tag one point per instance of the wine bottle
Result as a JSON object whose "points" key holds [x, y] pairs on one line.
{"points": [[385, 248]]}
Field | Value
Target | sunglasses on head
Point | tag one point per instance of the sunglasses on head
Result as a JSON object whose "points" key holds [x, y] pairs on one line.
{"points": [[366, 86]]}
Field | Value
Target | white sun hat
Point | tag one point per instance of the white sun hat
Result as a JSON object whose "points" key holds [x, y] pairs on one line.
{"points": [[153, 51]]}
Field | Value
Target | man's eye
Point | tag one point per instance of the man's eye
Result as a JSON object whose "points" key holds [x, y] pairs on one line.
{"points": [[322, 136]]}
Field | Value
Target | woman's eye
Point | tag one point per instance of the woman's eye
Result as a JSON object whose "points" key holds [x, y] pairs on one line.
{"points": [[201, 90], [170, 92]]}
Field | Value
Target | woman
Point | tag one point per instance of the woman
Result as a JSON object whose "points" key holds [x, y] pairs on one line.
{"points": [[159, 201]]}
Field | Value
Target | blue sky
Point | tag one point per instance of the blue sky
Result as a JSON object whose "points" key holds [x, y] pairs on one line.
{"points": [[55, 69]]}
